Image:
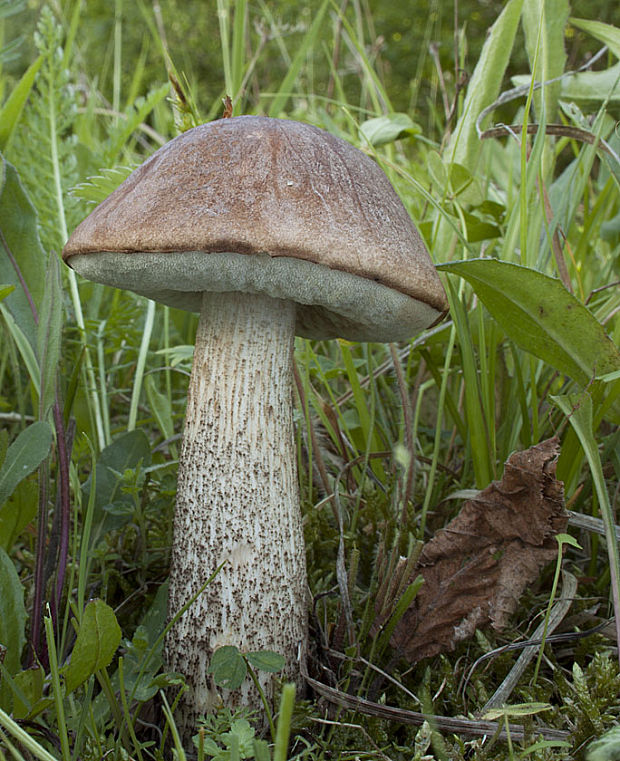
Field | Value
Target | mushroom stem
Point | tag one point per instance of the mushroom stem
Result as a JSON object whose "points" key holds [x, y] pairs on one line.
{"points": [[238, 501]]}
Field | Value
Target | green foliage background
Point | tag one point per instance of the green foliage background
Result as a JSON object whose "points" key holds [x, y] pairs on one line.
{"points": [[527, 236]]}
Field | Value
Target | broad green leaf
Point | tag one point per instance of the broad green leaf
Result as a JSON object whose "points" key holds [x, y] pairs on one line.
{"points": [[542, 317], [14, 104], [17, 512], [484, 86], [587, 85], [49, 334], [463, 185], [25, 454], [609, 35], [606, 748], [124, 453], [98, 637], [266, 660], [228, 667], [307, 44], [24, 346], [477, 229], [20, 247], [241, 735], [30, 683], [551, 57], [12, 614], [388, 128], [454, 180]]}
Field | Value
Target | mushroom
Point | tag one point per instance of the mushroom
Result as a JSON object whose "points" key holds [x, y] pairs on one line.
{"points": [[270, 229]]}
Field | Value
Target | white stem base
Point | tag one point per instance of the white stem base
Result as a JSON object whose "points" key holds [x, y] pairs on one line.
{"points": [[237, 501]]}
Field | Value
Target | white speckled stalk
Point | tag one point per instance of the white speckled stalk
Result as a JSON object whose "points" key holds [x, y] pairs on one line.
{"points": [[237, 500]]}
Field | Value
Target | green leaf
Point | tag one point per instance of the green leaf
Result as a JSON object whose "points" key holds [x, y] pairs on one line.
{"points": [[98, 637], [477, 229], [97, 188], [261, 750], [542, 317], [578, 410], [463, 185], [4, 444], [437, 170], [266, 660], [14, 104], [587, 85], [5, 290], [49, 335], [135, 115], [24, 346], [242, 734], [549, 40], [606, 748], [228, 667], [25, 454], [12, 614], [518, 710], [388, 128], [484, 85], [609, 35], [17, 512], [143, 656], [307, 44], [20, 246], [124, 453], [30, 683], [160, 407], [454, 180]]}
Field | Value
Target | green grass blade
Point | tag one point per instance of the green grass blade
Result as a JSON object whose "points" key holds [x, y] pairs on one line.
{"points": [[223, 13], [49, 338], [24, 739], [578, 409], [542, 317], [14, 104], [548, 17], [307, 44], [142, 354], [239, 42], [56, 690], [24, 347], [74, 26], [285, 715], [483, 459], [484, 86], [606, 33]]}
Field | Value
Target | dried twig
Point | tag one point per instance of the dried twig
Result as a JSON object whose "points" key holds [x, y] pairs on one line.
{"points": [[459, 726]]}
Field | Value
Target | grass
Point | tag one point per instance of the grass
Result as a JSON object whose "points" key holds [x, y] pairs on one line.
{"points": [[390, 439]]}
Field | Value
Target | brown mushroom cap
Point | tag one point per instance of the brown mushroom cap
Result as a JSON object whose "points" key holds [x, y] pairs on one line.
{"points": [[269, 206]]}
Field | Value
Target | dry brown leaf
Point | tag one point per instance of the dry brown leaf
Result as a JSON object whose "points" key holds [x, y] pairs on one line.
{"points": [[476, 568]]}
